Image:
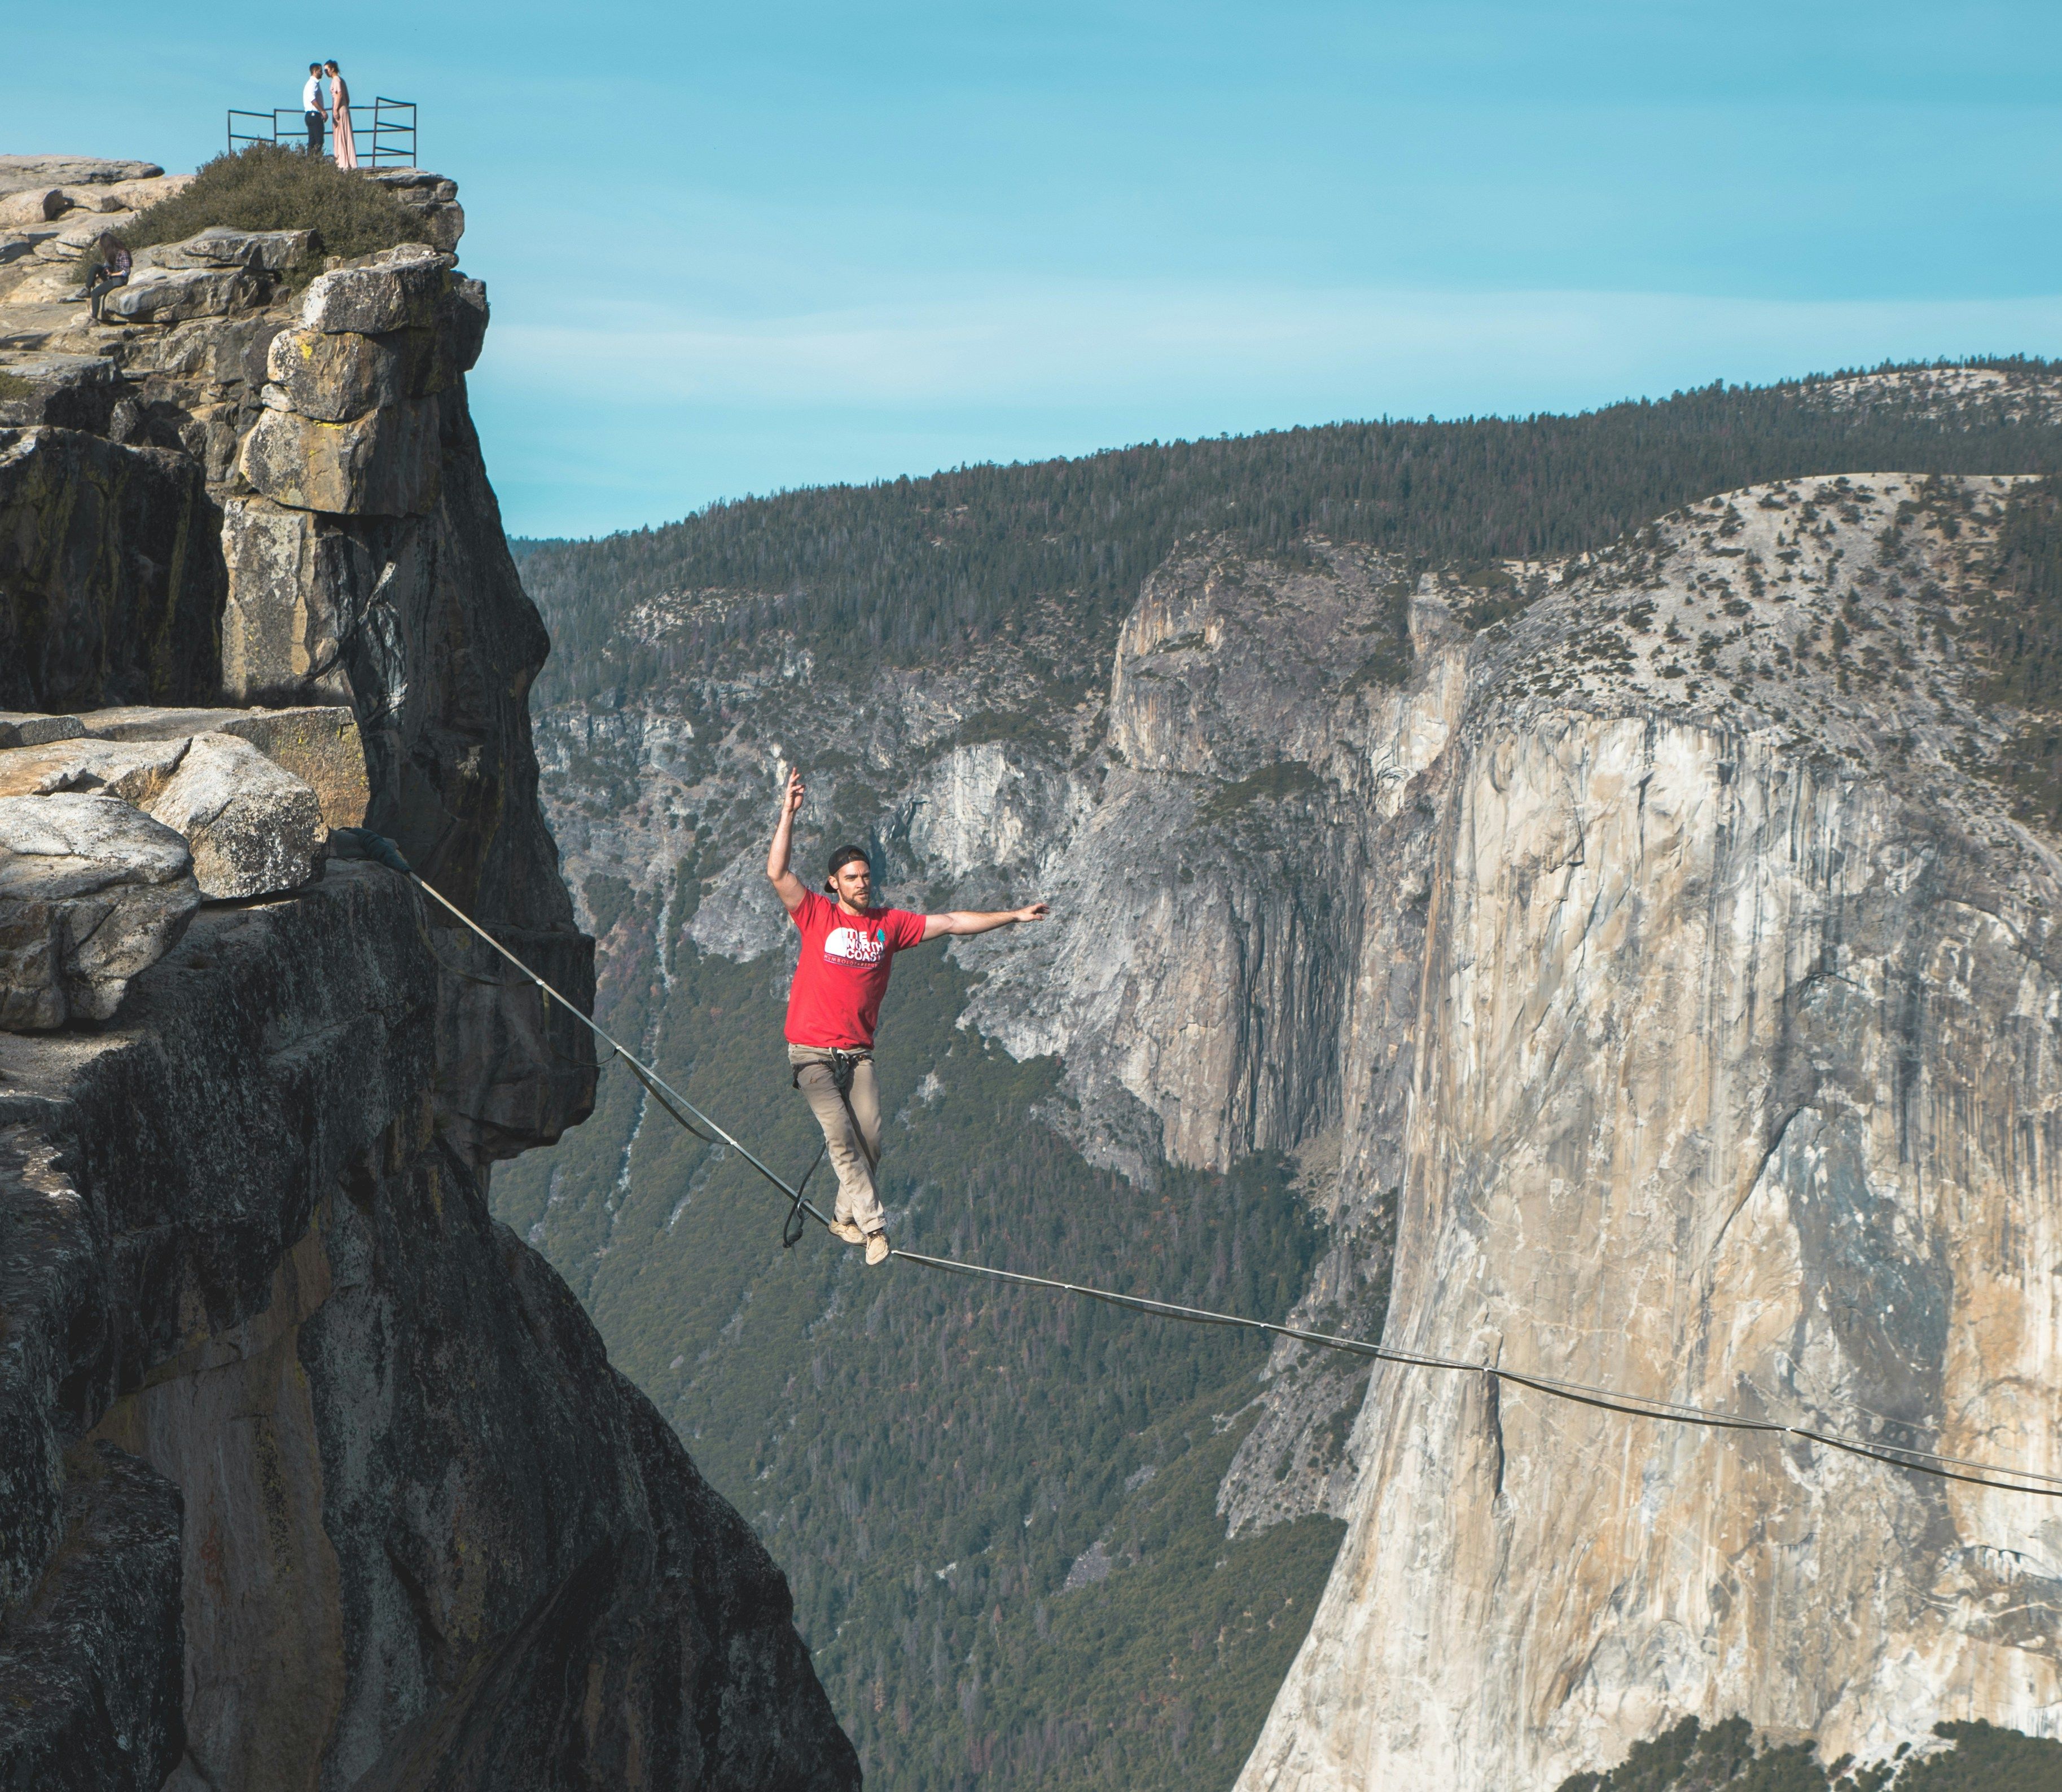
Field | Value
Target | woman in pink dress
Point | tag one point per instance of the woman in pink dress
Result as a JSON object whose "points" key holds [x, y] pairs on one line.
{"points": [[339, 115]]}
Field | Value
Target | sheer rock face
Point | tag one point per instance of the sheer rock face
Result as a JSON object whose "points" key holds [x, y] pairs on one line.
{"points": [[310, 1475], [1736, 1053], [110, 580]]}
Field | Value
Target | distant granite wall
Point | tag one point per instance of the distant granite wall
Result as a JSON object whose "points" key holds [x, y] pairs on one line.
{"points": [[310, 1475]]}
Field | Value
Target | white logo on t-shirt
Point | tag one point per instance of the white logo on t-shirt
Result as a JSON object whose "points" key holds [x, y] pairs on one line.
{"points": [[853, 947]]}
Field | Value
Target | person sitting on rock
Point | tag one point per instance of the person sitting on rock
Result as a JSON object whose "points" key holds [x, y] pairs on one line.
{"points": [[848, 947], [107, 266]]}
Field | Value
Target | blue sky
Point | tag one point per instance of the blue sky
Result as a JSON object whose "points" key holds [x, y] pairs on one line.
{"points": [[735, 249]]}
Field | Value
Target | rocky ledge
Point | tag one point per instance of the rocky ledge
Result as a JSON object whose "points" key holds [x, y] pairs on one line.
{"points": [[310, 1475]]}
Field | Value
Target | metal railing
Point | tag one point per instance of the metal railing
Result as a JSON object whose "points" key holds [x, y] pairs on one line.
{"points": [[385, 131]]}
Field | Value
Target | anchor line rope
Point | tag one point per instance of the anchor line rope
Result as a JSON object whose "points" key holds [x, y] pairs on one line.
{"points": [[1897, 1456]]}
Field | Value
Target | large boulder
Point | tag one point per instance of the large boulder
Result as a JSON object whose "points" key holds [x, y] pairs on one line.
{"points": [[400, 289], [92, 892], [318, 743], [384, 464], [442, 225], [32, 206], [174, 295], [92, 198], [255, 829]]}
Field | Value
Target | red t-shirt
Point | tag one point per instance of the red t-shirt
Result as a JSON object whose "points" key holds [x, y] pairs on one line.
{"points": [[843, 972]]}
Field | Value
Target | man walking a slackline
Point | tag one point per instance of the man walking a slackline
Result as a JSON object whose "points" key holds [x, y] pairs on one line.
{"points": [[849, 947]]}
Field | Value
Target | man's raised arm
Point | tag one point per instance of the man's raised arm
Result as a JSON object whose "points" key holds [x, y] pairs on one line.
{"points": [[780, 869], [969, 920]]}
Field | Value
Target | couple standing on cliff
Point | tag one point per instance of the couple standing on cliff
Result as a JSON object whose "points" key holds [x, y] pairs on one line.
{"points": [[337, 111], [848, 947]]}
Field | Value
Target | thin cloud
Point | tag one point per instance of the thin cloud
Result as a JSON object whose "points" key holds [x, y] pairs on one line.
{"points": [[1342, 353]]}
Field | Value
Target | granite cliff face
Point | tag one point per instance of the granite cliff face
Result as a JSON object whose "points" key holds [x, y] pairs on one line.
{"points": [[313, 1475], [1734, 1049], [1646, 956]]}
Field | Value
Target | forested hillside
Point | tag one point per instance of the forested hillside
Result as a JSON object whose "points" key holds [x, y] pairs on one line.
{"points": [[1001, 1512], [910, 567]]}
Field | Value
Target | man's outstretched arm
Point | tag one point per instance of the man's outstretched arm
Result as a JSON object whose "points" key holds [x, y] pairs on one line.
{"points": [[969, 920], [780, 855]]}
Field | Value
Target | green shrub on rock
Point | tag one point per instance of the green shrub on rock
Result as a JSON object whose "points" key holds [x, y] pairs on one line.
{"points": [[268, 188]]}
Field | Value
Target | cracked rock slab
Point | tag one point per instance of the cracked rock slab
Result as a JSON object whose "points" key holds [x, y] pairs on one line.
{"points": [[135, 772], [27, 728], [220, 246], [92, 892], [399, 292]]}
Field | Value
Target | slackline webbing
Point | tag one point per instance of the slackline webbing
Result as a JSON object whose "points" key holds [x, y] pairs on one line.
{"points": [[1896, 1456]]}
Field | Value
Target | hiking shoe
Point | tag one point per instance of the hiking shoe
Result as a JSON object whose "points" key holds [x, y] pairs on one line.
{"points": [[876, 1248], [846, 1230]]}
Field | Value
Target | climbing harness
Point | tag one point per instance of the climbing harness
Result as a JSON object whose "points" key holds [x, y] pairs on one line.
{"points": [[1610, 1400]]}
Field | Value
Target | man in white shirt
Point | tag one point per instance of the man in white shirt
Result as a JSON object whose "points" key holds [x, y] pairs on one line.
{"points": [[312, 104]]}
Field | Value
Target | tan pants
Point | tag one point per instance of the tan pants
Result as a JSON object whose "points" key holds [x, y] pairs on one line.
{"points": [[853, 1151]]}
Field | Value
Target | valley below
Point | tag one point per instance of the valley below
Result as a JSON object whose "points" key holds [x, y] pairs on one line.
{"points": [[1572, 896]]}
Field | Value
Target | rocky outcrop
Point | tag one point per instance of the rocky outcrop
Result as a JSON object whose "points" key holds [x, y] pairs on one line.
{"points": [[348, 552], [310, 1474]]}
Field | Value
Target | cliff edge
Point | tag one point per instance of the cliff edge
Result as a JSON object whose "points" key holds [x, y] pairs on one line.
{"points": [[313, 1474]]}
